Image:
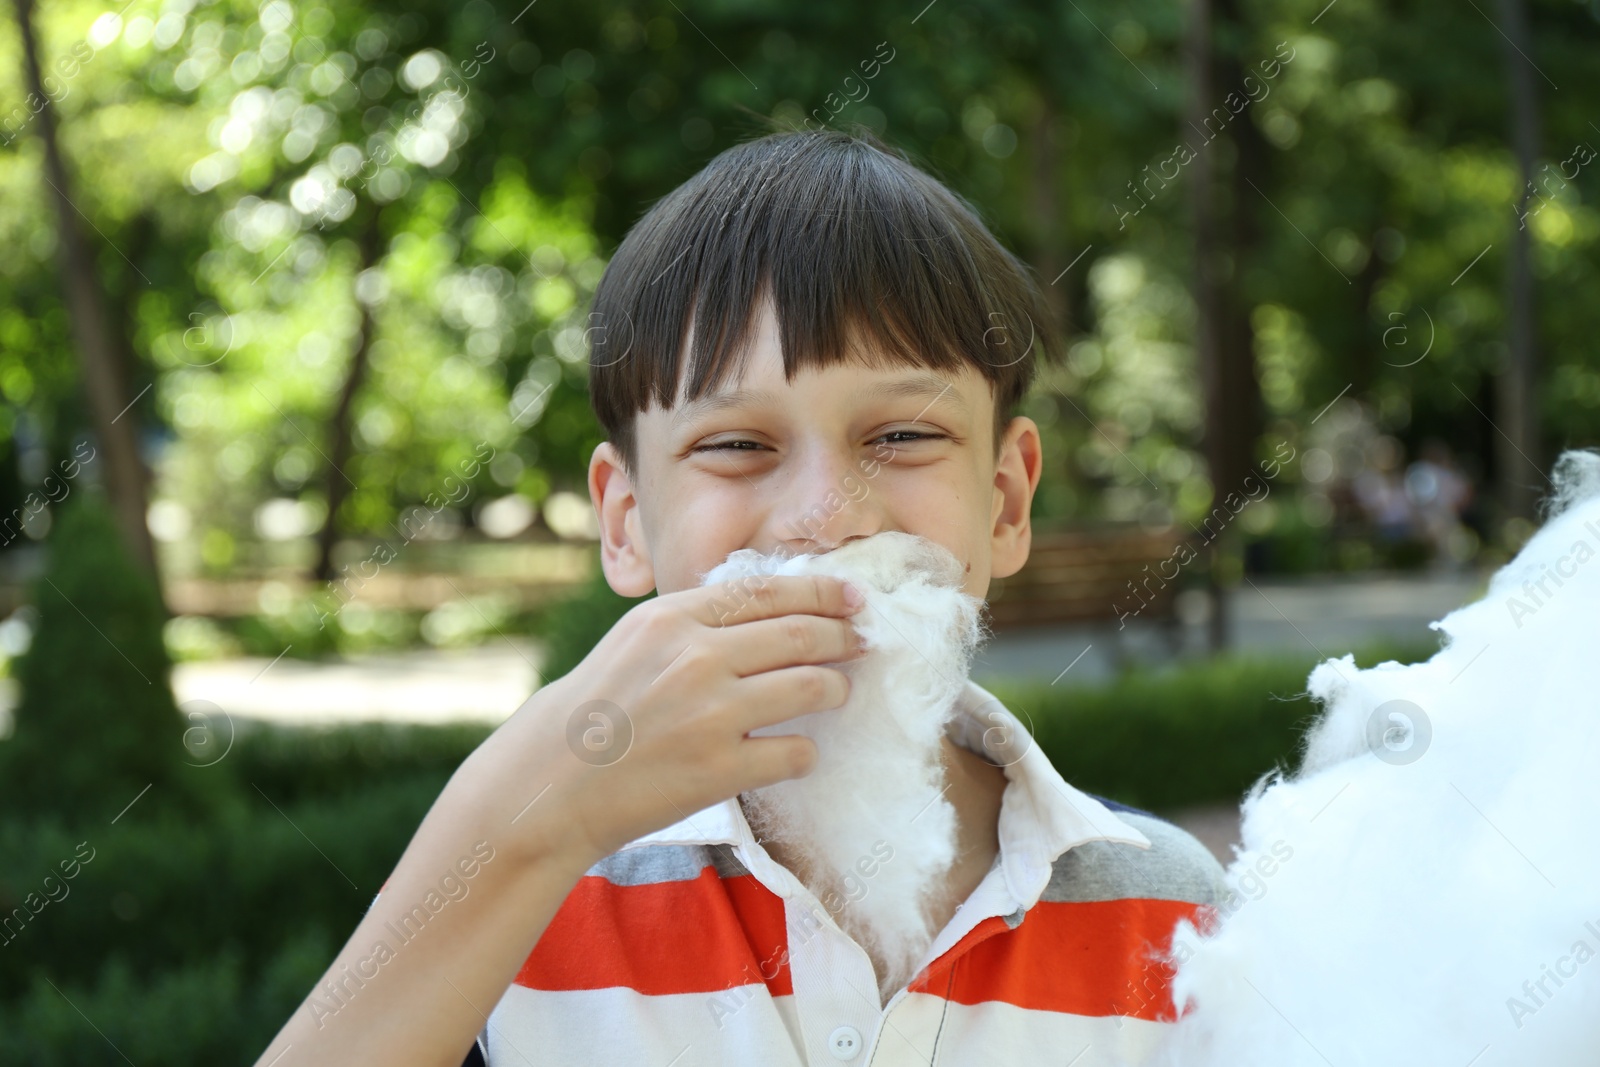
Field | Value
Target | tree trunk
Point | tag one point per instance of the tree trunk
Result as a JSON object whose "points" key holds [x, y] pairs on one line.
{"points": [[1240, 390], [109, 405], [1224, 244], [340, 444], [1207, 295], [1363, 355], [1516, 394], [121, 295], [1050, 238]]}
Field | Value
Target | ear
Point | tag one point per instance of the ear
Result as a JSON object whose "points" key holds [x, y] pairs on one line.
{"points": [[1016, 478], [624, 555]]}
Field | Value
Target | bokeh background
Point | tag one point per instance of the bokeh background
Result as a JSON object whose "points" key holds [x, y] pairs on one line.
{"points": [[293, 425]]}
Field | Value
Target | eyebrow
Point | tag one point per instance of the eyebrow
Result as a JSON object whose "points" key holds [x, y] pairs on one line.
{"points": [[917, 387], [920, 386]]}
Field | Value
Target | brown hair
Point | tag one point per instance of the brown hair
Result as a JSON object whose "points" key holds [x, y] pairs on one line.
{"points": [[863, 255]]}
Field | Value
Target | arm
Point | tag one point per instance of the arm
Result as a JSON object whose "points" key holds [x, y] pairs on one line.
{"points": [[423, 997], [687, 679]]}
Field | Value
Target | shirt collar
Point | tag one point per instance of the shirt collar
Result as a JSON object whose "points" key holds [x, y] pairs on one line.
{"points": [[1041, 815]]}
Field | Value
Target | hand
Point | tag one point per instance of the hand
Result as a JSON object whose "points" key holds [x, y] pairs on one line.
{"points": [[651, 727]]}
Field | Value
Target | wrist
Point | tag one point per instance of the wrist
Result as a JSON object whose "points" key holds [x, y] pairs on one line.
{"points": [[524, 805]]}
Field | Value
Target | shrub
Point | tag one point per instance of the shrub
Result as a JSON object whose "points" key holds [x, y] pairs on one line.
{"points": [[167, 892], [96, 723], [573, 626], [1191, 734], [297, 764], [213, 1011]]}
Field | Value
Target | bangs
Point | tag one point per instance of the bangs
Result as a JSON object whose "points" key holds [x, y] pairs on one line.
{"points": [[864, 257]]}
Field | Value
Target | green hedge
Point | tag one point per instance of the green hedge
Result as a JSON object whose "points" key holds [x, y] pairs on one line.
{"points": [[292, 765], [1191, 734], [213, 1011], [574, 625], [170, 892], [96, 722]]}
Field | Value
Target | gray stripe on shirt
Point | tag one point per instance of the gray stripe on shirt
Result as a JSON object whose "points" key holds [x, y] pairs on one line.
{"points": [[652, 864], [1174, 867]]}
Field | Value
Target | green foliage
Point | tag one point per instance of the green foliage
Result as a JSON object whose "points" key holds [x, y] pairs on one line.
{"points": [[1192, 734], [573, 626], [1294, 547], [298, 630], [209, 1011], [191, 940], [263, 869], [237, 155], [96, 723], [292, 765]]}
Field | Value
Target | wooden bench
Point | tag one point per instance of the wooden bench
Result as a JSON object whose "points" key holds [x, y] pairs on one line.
{"points": [[1082, 575]]}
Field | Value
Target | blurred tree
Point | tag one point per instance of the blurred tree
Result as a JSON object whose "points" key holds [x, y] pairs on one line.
{"points": [[340, 446], [453, 292], [100, 353], [96, 724], [237, 152], [1519, 445]]}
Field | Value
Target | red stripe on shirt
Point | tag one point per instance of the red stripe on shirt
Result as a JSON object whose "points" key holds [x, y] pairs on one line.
{"points": [[701, 935], [1086, 959]]}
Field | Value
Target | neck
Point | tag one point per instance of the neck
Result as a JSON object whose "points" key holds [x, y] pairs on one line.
{"points": [[975, 789]]}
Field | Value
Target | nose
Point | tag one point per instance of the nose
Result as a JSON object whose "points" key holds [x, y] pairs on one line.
{"points": [[828, 502]]}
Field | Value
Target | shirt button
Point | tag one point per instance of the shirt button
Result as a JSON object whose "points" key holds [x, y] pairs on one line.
{"points": [[845, 1043]]}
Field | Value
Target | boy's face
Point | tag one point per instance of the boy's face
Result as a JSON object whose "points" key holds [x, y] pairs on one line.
{"points": [[840, 453]]}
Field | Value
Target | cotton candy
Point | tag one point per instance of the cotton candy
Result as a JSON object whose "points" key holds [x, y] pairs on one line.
{"points": [[877, 788], [1426, 888]]}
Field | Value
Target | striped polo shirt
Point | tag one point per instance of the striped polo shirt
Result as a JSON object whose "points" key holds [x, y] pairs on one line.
{"points": [[691, 946]]}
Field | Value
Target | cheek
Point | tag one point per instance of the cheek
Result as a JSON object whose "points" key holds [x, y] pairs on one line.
{"points": [[977, 579], [946, 504], [687, 541], [958, 534]]}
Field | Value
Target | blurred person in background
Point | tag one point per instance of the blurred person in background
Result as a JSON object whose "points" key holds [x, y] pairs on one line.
{"points": [[1440, 493], [1382, 495]]}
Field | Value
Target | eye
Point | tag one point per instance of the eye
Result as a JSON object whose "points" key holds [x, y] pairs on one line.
{"points": [[910, 435], [727, 446]]}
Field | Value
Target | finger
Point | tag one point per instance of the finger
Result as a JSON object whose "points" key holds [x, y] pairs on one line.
{"points": [[778, 696], [770, 644], [768, 760], [743, 600]]}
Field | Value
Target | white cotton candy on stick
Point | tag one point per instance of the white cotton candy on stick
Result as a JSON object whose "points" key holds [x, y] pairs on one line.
{"points": [[1440, 903]]}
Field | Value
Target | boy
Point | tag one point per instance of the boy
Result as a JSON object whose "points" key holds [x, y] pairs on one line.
{"points": [[808, 316]]}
